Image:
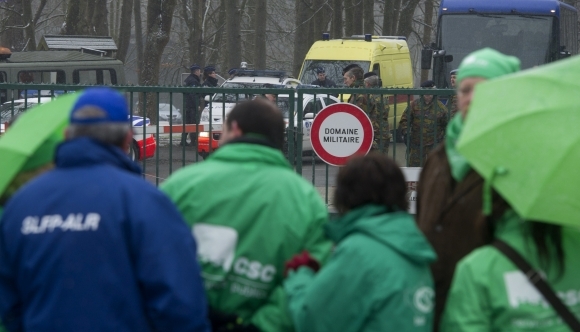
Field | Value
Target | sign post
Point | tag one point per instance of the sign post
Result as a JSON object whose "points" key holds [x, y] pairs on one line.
{"points": [[340, 131]]}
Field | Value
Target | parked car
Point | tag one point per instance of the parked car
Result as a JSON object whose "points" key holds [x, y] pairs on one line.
{"points": [[310, 106], [167, 111], [141, 148]]}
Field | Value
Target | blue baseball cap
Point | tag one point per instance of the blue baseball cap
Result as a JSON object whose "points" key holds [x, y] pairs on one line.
{"points": [[194, 67], [112, 104]]}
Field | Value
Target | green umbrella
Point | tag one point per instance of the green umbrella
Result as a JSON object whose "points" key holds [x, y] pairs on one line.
{"points": [[522, 135], [23, 143]]}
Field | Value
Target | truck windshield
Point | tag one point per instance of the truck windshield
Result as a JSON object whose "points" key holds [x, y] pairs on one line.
{"points": [[524, 36], [332, 68]]}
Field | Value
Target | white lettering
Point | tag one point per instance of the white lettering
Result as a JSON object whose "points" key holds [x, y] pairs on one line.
{"points": [[254, 270], [268, 273], [92, 221], [50, 223]]}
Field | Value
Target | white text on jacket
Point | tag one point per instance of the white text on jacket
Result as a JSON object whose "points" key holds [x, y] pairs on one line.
{"points": [[74, 223]]}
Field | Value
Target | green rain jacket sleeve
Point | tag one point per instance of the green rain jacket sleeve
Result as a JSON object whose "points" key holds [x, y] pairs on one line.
{"points": [[333, 299], [273, 316], [467, 309]]}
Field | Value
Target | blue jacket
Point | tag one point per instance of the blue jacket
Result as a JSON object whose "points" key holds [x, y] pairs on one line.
{"points": [[90, 246]]}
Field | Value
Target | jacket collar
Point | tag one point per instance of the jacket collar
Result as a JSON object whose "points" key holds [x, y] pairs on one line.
{"points": [[250, 150], [84, 151]]}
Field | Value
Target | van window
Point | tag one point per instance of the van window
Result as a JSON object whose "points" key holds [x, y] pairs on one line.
{"points": [[333, 69], [42, 76], [377, 69], [95, 76]]}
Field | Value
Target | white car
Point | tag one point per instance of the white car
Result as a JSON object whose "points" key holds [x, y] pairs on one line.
{"points": [[310, 107], [167, 111]]}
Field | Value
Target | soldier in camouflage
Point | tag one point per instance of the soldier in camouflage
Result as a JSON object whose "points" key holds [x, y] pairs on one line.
{"points": [[354, 79], [423, 126], [452, 103], [379, 115]]}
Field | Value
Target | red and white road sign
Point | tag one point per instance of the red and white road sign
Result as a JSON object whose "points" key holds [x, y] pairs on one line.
{"points": [[340, 131]]}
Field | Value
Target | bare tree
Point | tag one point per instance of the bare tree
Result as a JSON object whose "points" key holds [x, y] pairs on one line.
{"points": [[337, 23], [368, 15], [356, 10], [124, 32], [260, 16], [138, 35], [99, 25], [234, 44], [159, 19], [76, 22], [300, 44], [12, 32]]}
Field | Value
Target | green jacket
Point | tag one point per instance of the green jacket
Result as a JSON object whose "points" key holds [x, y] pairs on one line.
{"points": [[378, 278], [489, 293], [250, 213]]}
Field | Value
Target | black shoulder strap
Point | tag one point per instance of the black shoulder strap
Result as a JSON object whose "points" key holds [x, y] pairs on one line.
{"points": [[541, 285]]}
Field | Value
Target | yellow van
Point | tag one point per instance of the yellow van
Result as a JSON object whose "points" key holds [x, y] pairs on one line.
{"points": [[387, 56]]}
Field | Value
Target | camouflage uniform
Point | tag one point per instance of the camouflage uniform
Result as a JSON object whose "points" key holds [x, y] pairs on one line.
{"points": [[452, 106], [379, 116], [427, 128]]}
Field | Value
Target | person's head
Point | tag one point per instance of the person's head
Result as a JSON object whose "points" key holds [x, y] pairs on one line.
{"points": [[453, 77], [349, 67], [371, 179], [101, 114], [371, 81], [321, 74], [195, 69], [232, 72], [258, 118], [477, 67], [428, 85], [209, 71], [353, 75]]}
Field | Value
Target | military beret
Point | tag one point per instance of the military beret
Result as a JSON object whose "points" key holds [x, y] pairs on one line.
{"points": [[428, 84], [209, 69], [454, 72], [194, 67], [369, 74]]}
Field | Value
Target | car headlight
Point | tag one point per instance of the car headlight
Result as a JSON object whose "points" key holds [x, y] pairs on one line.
{"points": [[204, 134]]}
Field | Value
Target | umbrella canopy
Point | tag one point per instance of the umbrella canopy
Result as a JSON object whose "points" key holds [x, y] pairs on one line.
{"points": [[28, 134], [521, 134]]}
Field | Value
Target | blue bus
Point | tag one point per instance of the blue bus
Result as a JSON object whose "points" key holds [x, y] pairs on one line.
{"points": [[535, 31]]}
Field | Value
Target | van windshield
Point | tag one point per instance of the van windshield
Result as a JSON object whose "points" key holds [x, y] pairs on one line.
{"points": [[332, 68], [232, 98]]}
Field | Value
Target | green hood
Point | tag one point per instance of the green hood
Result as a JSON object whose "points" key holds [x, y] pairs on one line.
{"points": [[396, 230], [251, 153]]}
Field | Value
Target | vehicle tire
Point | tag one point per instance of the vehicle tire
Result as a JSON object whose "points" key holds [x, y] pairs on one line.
{"points": [[134, 151]]}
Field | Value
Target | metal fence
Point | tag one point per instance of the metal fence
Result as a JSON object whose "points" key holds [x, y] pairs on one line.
{"points": [[177, 113]]}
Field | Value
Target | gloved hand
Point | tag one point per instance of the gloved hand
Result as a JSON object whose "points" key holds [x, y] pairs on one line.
{"points": [[302, 259]]}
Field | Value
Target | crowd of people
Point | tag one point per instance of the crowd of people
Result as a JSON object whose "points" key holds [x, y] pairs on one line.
{"points": [[240, 242]]}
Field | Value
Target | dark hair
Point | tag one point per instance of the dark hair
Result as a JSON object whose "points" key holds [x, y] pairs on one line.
{"points": [[547, 238], [371, 179], [357, 72], [259, 117]]}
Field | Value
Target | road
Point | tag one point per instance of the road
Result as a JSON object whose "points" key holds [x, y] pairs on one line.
{"points": [[168, 160]]}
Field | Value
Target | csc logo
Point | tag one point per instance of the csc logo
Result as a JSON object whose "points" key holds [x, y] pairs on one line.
{"points": [[254, 270]]}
